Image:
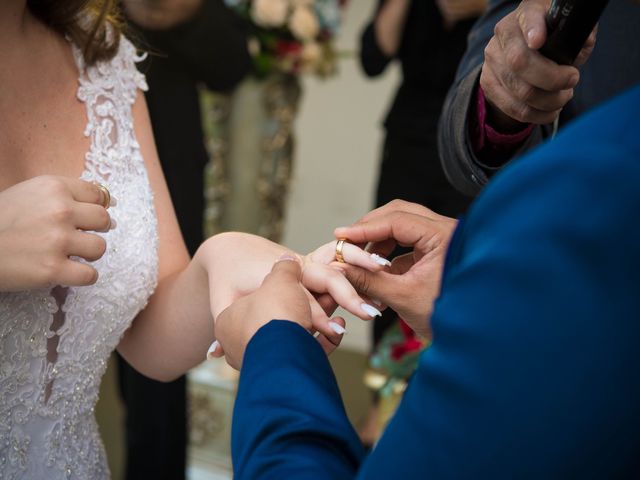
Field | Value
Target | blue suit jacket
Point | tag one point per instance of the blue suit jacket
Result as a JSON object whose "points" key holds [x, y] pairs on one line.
{"points": [[534, 370]]}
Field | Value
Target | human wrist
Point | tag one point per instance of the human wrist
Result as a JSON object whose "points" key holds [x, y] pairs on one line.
{"points": [[500, 121], [491, 144]]}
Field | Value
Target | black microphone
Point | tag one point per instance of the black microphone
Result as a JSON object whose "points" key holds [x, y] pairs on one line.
{"points": [[569, 24]]}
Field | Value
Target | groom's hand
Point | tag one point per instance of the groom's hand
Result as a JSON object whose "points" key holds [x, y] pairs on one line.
{"points": [[412, 283], [280, 297]]}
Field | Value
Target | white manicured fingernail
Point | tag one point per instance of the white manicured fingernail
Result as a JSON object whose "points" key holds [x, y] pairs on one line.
{"points": [[339, 329], [114, 224], [113, 201], [380, 261], [369, 310], [212, 349]]}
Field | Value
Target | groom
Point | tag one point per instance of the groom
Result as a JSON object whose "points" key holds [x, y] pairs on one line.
{"points": [[534, 370]]}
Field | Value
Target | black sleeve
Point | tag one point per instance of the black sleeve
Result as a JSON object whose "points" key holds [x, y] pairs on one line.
{"points": [[212, 46], [463, 169], [372, 59]]}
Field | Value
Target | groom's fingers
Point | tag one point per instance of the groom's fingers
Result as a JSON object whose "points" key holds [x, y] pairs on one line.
{"points": [[383, 248], [385, 287], [324, 279], [407, 229], [286, 269], [398, 206], [327, 303]]}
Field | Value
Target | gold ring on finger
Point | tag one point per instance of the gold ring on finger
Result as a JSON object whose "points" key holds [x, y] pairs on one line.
{"points": [[339, 246], [106, 196]]}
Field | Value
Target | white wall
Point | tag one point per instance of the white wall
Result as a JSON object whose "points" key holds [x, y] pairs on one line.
{"points": [[338, 135]]}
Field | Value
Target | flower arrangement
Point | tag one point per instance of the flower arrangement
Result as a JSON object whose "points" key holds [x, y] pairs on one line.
{"points": [[394, 360], [292, 36]]}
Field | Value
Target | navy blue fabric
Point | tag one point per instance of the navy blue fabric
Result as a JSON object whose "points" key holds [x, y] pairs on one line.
{"points": [[534, 370]]}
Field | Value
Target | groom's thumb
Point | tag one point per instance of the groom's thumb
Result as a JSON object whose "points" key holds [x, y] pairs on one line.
{"points": [[286, 269]]}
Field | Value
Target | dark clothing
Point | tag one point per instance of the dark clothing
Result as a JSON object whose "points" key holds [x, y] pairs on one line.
{"points": [[428, 56], [210, 49], [404, 160], [613, 67], [534, 368], [155, 425], [410, 169]]}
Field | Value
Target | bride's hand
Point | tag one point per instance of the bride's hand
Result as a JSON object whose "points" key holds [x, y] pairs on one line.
{"points": [[281, 297], [43, 222], [236, 264], [332, 290]]}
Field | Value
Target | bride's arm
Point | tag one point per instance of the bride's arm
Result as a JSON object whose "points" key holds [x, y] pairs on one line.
{"points": [[174, 331], [182, 290]]}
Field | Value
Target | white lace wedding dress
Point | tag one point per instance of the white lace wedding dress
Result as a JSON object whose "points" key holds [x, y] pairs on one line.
{"points": [[54, 344]]}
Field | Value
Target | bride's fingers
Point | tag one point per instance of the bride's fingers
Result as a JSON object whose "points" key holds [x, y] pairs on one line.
{"points": [[330, 344], [324, 279], [375, 302], [351, 254], [322, 324], [215, 350]]}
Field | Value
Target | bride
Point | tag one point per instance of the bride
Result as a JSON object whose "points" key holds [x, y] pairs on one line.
{"points": [[91, 257]]}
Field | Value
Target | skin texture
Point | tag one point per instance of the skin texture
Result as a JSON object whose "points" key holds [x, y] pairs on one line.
{"points": [[38, 235], [281, 296], [520, 84], [412, 283]]}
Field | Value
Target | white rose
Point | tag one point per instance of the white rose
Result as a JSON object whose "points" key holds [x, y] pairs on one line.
{"points": [[269, 13], [311, 53], [304, 24]]}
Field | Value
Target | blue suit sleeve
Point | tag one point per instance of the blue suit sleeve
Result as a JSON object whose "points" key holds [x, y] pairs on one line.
{"points": [[533, 371], [289, 420]]}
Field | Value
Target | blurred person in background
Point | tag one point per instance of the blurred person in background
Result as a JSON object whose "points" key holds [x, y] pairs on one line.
{"points": [[506, 95], [427, 38], [190, 42]]}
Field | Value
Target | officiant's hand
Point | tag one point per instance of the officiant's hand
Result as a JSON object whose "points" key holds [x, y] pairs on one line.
{"points": [[412, 283], [44, 221], [280, 297]]}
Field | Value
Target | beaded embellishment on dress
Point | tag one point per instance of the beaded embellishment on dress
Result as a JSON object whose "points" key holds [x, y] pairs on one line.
{"points": [[54, 344]]}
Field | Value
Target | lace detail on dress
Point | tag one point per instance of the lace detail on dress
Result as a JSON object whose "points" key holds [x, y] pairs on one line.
{"points": [[54, 345]]}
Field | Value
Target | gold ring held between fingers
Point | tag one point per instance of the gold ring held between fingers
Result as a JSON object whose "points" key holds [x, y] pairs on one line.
{"points": [[339, 246], [106, 200]]}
